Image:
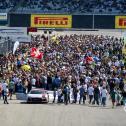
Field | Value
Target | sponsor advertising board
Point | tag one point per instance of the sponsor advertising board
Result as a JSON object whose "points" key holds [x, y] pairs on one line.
{"points": [[120, 22], [3, 16], [51, 21], [3, 19]]}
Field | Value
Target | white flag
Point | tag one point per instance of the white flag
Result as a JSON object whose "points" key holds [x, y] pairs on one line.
{"points": [[16, 44]]}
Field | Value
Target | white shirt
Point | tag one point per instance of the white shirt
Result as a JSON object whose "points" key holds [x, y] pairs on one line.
{"points": [[87, 79], [33, 81], [125, 87], [85, 87], [6, 91], [90, 91], [4, 86], [100, 89], [16, 80], [109, 63], [59, 92], [117, 63], [104, 93]]}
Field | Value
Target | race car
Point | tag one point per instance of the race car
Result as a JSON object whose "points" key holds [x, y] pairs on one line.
{"points": [[37, 96]]}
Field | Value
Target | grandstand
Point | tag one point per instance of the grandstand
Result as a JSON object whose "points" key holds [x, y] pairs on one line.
{"points": [[64, 6], [7, 5]]}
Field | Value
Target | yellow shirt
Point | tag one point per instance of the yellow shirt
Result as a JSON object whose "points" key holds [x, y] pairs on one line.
{"points": [[7, 81]]}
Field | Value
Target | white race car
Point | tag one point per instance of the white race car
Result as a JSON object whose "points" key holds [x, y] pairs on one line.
{"points": [[37, 95]]}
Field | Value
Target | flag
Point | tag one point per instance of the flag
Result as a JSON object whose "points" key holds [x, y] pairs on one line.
{"points": [[16, 44], [35, 53], [124, 50], [89, 60], [55, 39]]}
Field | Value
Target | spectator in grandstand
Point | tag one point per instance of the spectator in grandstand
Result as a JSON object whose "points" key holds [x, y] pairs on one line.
{"points": [[71, 6], [7, 5]]}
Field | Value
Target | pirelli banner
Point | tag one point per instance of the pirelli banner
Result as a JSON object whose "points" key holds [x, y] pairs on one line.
{"points": [[51, 21], [120, 22]]}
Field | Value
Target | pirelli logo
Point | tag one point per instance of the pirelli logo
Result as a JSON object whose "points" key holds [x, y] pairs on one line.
{"points": [[120, 22], [51, 21]]}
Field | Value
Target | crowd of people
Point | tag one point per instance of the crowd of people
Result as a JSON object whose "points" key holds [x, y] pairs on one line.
{"points": [[88, 65], [7, 5], [64, 6], [74, 6]]}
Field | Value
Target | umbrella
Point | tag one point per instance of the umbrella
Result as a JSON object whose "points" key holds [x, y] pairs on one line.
{"points": [[26, 68]]}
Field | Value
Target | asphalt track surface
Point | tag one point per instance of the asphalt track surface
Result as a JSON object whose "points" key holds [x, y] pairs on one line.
{"points": [[18, 113]]}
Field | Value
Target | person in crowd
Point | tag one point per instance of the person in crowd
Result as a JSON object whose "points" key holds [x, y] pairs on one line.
{"points": [[54, 94], [33, 81], [11, 88], [118, 97], [113, 97], [69, 93], [123, 102], [0, 90], [82, 94], [96, 95], [66, 93], [100, 89], [4, 89], [90, 93], [44, 81], [75, 93], [104, 93], [6, 92], [60, 94], [29, 87], [49, 82]]}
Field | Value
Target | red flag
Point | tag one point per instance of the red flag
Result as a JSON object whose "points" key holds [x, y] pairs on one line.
{"points": [[36, 54], [89, 60]]}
